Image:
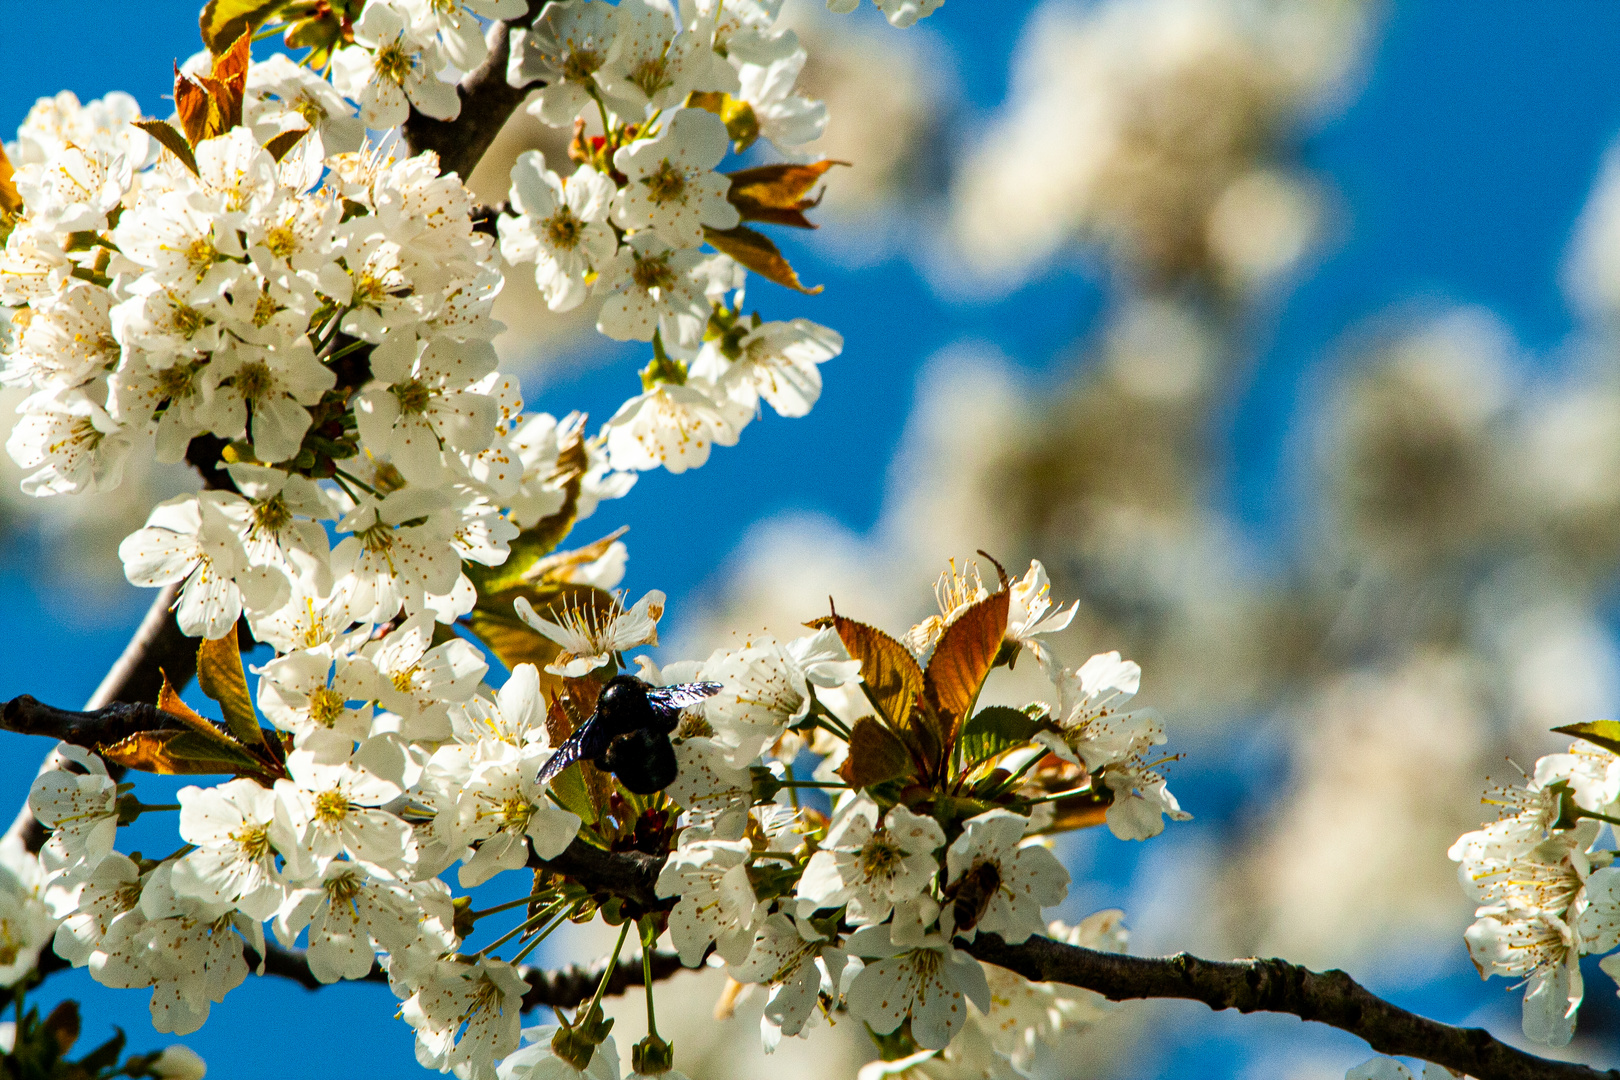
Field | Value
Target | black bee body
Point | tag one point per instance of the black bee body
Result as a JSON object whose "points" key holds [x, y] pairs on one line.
{"points": [[628, 734]]}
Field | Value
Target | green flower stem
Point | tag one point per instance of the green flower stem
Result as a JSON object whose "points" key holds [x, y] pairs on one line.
{"points": [[526, 924]]}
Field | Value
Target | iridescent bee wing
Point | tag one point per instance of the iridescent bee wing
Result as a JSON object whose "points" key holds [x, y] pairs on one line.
{"points": [[568, 753], [668, 702]]}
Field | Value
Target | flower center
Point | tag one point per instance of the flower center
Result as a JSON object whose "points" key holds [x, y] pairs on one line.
{"points": [[178, 381], [667, 183], [392, 63], [187, 321], [652, 75], [413, 396], [515, 813], [325, 706], [378, 540], [271, 516], [311, 110], [331, 807], [580, 63], [264, 309], [342, 889], [562, 230], [253, 841], [200, 255], [880, 857], [254, 381], [653, 273]]}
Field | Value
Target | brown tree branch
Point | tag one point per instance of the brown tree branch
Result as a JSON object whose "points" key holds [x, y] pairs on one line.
{"points": [[90, 729], [1325, 997], [563, 989], [487, 100]]}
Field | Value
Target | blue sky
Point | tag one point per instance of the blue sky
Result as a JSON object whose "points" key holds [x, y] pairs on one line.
{"points": [[1460, 169]]}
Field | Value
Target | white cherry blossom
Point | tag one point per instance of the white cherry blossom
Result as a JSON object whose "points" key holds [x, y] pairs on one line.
{"points": [[999, 885], [590, 638], [717, 902], [871, 867], [389, 69], [239, 829], [931, 983], [673, 188], [560, 226]]}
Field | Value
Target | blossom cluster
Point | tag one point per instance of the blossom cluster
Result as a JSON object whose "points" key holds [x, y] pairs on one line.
{"points": [[401, 764], [271, 288], [1547, 893]]}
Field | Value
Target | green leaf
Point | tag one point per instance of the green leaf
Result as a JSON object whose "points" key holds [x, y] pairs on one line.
{"points": [[1604, 733], [994, 730], [220, 676], [876, 755], [756, 251], [224, 21], [171, 140], [568, 787]]}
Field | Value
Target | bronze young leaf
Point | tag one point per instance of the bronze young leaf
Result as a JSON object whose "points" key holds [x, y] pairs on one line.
{"points": [[962, 661], [876, 754], [755, 251]]}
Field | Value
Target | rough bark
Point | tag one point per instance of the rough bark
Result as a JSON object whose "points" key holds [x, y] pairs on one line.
{"points": [[487, 100], [1325, 997]]}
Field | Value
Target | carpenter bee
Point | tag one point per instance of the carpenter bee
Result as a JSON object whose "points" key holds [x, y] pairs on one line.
{"points": [[628, 734]]}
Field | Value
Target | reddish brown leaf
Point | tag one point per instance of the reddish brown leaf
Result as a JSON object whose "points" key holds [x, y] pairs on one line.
{"points": [[962, 661], [892, 677], [756, 252], [230, 76], [179, 753], [876, 754], [191, 104], [777, 193], [279, 145], [170, 702]]}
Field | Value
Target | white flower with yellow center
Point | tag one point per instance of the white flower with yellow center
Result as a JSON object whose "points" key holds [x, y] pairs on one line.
{"points": [[927, 983], [673, 188], [560, 225], [591, 638], [190, 538], [777, 362], [68, 444], [796, 961], [420, 681], [870, 867], [351, 913], [80, 809], [333, 800], [466, 1016], [389, 68], [565, 48], [400, 550], [716, 903], [503, 812], [239, 829]]}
